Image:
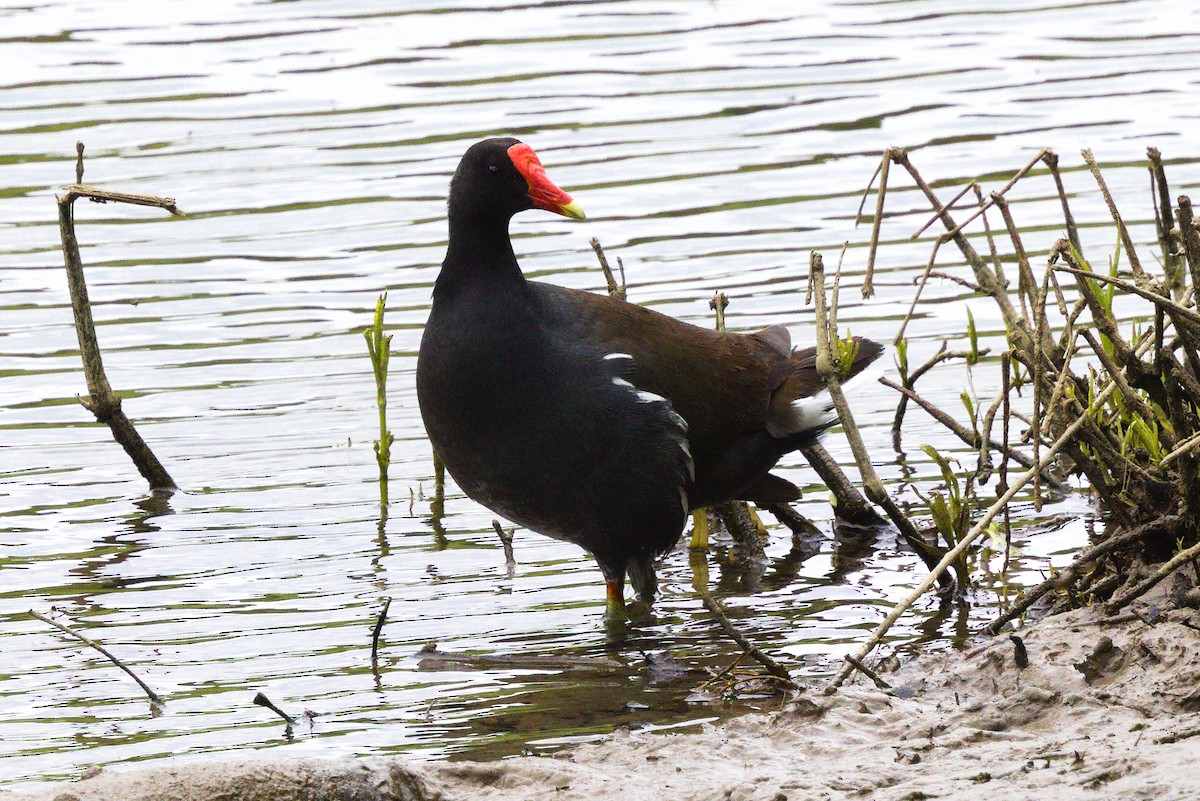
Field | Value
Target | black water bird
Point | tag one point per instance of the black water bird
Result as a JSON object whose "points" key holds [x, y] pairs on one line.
{"points": [[587, 418]]}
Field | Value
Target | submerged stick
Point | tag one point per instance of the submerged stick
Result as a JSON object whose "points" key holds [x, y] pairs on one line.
{"points": [[103, 402], [866, 671], [774, 668], [506, 541], [262, 700], [849, 503], [156, 701], [379, 619]]}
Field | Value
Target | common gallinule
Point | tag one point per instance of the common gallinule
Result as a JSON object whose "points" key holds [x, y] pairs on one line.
{"points": [[587, 418]]}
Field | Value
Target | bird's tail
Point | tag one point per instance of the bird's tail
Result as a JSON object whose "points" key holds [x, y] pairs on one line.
{"points": [[813, 412]]}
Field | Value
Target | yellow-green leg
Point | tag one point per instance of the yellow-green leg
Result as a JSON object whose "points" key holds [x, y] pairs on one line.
{"points": [[700, 530], [614, 611]]}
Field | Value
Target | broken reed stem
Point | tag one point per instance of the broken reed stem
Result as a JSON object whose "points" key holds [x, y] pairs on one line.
{"points": [[1050, 158], [719, 302], [156, 701], [774, 668], [615, 290], [868, 287], [262, 700], [1187, 555], [976, 530], [826, 337], [1122, 229], [1191, 239], [506, 542], [1164, 222], [379, 620], [103, 402], [866, 671]]}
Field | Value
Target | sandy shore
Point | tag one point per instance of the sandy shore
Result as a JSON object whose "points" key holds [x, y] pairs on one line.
{"points": [[1105, 708]]}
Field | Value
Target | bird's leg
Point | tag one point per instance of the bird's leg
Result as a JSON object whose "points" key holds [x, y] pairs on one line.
{"points": [[615, 610], [643, 578], [699, 530]]}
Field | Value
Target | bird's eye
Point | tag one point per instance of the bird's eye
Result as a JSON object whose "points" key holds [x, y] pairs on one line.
{"points": [[492, 168]]}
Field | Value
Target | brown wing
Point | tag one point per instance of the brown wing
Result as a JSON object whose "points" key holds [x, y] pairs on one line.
{"points": [[721, 383]]}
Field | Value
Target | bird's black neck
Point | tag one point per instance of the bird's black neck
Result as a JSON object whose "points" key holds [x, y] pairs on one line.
{"points": [[479, 251]]}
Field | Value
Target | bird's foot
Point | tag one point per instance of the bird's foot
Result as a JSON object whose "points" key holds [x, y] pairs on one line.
{"points": [[640, 611]]}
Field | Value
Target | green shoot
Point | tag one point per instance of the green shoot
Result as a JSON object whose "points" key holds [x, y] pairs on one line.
{"points": [[379, 346], [845, 352], [951, 510], [973, 337]]}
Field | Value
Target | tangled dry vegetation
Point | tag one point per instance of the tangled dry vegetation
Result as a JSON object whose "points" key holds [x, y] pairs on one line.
{"points": [[1085, 395]]}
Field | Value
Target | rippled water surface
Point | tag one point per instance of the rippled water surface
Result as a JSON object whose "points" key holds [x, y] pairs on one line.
{"points": [[713, 145]]}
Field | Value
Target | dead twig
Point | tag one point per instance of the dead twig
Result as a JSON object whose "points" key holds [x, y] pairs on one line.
{"points": [[156, 701], [379, 620], [959, 430], [866, 671], [1123, 230], [506, 542], [868, 287], [262, 700], [1067, 576], [614, 289], [103, 402], [774, 668], [940, 210], [871, 481]]}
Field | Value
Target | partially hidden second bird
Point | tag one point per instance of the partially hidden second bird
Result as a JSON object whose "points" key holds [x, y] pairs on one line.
{"points": [[587, 418]]}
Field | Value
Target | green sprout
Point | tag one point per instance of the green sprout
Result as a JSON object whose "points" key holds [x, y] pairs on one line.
{"points": [[845, 352], [379, 346], [951, 510]]}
